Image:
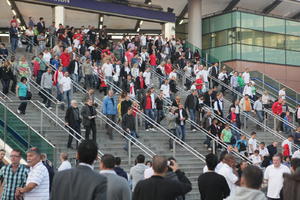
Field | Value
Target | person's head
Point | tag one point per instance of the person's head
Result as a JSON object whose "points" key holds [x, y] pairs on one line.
{"points": [[66, 74], [252, 177], [110, 93], [222, 156], [107, 162], [2, 154], [87, 152], [246, 97], [256, 152], [219, 95], [23, 80], [290, 138], [149, 163], [74, 104], [232, 109], [49, 70], [262, 145], [130, 111], [180, 106], [89, 102], [63, 156], [277, 159], [243, 165], [253, 135], [274, 144], [118, 161], [33, 156], [295, 164], [140, 158], [160, 165], [229, 160], [15, 157], [41, 18], [211, 161], [215, 121], [227, 126]]}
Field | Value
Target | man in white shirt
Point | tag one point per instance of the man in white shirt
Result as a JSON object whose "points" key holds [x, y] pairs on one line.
{"points": [[173, 74], [37, 184], [246, 76], [289, 142], [228, 171], [274, 176], [65, 164], [252, 143], [108, 70], [148, 172], [282, 93], [137, 172], [66, 88], [165, 88], [147, 76]]}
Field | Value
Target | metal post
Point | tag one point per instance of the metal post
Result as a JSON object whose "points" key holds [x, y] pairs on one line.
{"points": [[28, 137], [136, 122], [274, 123], [245, 122], [5, 124], [206, 60], [214, 147], [265, 121], [263, 81], [41, 128], [129, 152], [174, 146]]}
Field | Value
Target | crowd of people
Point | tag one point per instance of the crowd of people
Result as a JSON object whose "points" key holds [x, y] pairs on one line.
{"points": [[70, 58]]}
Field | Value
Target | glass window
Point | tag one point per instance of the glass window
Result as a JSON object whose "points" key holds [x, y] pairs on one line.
{"points": [[205, 26], [221, 38], [220, 22], [275, 56], [275, 25], [206, 41], [292, 58], [236, 53], [274, 40], [236, 19], [253, 53], [252, 21], [293, 28], [293, 43], [251, 37], [222, 53]]}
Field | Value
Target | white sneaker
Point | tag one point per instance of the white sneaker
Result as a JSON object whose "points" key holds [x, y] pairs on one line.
{"points": [[147, 130], [50, 108], [194, 130], [153, 129], [19, 111]]}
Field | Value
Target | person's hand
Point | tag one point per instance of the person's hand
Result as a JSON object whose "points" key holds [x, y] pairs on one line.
{"points": [[174, 166], [128, 130], [66, 123]]}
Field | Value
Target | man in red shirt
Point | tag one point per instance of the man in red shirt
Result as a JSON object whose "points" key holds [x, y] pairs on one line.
{"points": [[277, 110], [65, 60], [148, 109], [152, 58], [140, 86], [199, 85]]}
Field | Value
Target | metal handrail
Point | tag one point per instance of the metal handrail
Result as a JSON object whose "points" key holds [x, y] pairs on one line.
{"points": [[52, 145]]}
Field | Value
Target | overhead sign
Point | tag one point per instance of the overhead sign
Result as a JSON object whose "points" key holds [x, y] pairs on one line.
{"points": [[117, 9]]}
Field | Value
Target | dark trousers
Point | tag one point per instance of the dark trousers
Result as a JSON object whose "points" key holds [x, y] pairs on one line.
{"points": [[109, 125], [23, 105], [159, 116], [14, 84], [5, 84], [76, 129], [174, 132], [47, 97], [88, 129], [39, 76]]}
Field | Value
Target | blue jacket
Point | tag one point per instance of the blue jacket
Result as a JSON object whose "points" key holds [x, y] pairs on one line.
{"points": [[109, 108]]}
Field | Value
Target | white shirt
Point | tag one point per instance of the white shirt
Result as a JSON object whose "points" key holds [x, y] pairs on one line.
{"points": [[91, 48], [64, 165], [143, 40], [222, 76], [205, 75], [147, 76], [173, 74], [246, 77], [66, 83], [219, 166], [166, 90], [39, 175], [117, 73], [265, 99], [296, 154], [263, 152], [107, 69], [256, 160], [47, 57], [282, 94], [248, 90], [148, 173], [216, 107], [205, 169], [230, 177], [254, 145], [286, 141], [275, 179]]}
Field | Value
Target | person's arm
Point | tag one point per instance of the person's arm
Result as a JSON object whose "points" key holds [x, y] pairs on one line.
{"points": [[126, 193], [184, 185], [17, 91], [225, 188], [101, 190]]}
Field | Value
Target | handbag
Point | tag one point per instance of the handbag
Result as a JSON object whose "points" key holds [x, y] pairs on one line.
{"points": [[29, 95]]}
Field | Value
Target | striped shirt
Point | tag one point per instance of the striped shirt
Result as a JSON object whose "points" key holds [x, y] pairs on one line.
{"points": [[12, 180], [39, 175]]}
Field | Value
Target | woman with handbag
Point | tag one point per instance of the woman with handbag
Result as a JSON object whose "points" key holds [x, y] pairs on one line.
{"points": [[24, 94]]}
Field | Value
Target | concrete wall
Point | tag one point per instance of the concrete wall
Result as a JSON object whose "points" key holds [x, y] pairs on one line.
{"points": [[288, 75]]}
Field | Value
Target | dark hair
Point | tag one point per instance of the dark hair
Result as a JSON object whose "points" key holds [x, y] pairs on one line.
{"points": [[23, 79], [140, 158], [87, 151], [2, 150], [253, 176], [160, 164], [263, 143], [295, 163], [108, 161], [253, 133], [290, 136], [211, 161], [117, 160], [256, 151], [222, 155], [18, 151]]}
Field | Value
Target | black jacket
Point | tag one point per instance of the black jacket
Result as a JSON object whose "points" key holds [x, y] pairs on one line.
{"points": [[172, 84], [128, 122], [124, 106], [86, 111], [70, 117], [137, 83], [159, 103], [71, 67], [160, 188], [191, 102], [184, 114], [6, 73], [208, 99]]}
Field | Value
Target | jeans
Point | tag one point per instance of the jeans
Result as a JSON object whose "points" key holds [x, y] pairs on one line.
{"points": [[39, 76], [181, 132], [47, 97], [67, 97], [30, 44], [171, 140], [88, 81], [109, 80], [14, 44], [88, 129], [260, 116], [192, 113], [74, 77], [150, 114], [59, 95], [23, 105], [133, 134], [109, 125], [235, 133], [5, 84], [159, 116], [76, 128]]}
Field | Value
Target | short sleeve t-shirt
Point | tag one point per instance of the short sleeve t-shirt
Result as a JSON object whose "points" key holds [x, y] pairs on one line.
{"points": [[253, 143], [22, 92], [275, 180], [227, 135]]}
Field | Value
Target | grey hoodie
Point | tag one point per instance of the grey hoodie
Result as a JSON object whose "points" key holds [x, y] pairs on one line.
{"points": [[243, 193]]}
